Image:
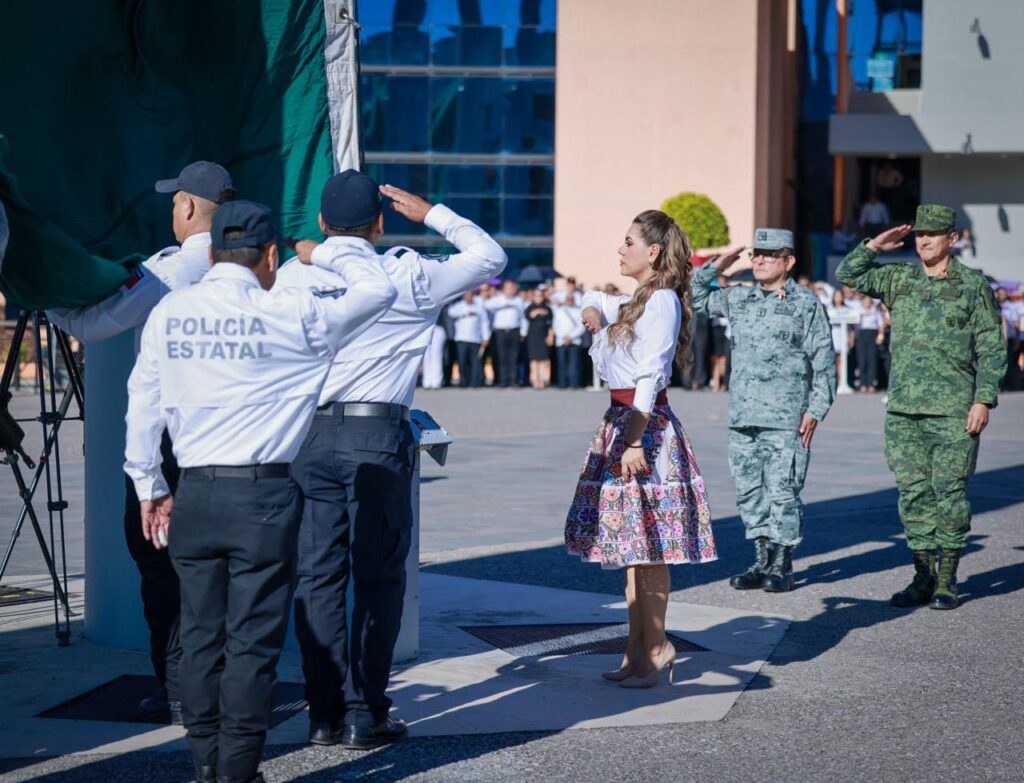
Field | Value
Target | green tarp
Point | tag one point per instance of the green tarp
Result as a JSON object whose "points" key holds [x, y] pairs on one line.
{"points": [[100, 99]]}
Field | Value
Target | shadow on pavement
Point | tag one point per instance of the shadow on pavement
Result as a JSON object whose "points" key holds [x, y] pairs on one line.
{"points": [[830, 526]]}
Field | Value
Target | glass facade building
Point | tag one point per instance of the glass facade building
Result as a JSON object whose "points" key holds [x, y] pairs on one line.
{"points": [[458, 103]]}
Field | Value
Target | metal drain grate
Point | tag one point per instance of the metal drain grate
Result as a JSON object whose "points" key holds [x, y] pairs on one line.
{"points": [[11, 596], [118, 699], [564, 639]]}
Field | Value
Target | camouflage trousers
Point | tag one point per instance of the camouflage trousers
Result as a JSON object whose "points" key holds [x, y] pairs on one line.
{"points": [[932, 457], [769, 467]]}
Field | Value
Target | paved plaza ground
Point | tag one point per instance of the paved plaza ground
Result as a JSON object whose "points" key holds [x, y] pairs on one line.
{"points": [[854, 691]]}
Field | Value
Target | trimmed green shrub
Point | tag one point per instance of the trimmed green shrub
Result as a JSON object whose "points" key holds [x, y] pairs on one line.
{"points": [[700, 218]]}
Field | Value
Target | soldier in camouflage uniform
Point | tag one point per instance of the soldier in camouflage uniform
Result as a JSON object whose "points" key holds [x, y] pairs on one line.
{"points": [[783, 383], [948, 356]]}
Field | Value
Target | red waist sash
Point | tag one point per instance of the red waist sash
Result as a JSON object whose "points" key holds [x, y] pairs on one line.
{"points": [[624, 397]]}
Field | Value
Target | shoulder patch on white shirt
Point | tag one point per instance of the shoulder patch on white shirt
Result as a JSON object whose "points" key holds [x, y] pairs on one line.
{"points": [[330, 293]]}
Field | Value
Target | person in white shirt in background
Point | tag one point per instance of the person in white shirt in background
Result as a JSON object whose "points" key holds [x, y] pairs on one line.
{"points": [[507, 324], [841, 333], [569, 331], [233, 371], [199, 190], [640, 504], [870, 336], [433, 359], [874, 216], [1011, 313], [472, 334], [355, 467]]}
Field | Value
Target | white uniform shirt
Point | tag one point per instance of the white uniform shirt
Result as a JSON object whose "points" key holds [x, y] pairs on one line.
{"points": [[567, 323], [1012, 312], [382, 365], [871, 318], [129, 307], [234, 372], [646, 365], [471, 322], [506, 312]]}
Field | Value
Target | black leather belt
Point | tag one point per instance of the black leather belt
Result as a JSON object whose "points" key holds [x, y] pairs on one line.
{"points": [[379, 410], [253, 472]]}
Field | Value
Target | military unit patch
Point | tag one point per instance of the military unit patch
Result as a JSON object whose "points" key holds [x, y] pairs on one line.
{"points": [[330, 293]]}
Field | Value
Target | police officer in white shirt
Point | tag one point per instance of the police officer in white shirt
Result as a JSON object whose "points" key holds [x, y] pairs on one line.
{"points": [[569, 329], [355, 468], [234, 372], [198, 192], [472, 333], [507, 324]]}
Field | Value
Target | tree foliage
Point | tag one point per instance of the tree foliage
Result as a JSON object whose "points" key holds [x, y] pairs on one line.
{"points": [[700, 218]]}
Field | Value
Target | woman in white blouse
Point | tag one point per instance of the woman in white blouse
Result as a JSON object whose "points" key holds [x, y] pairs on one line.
{"points": [[640, 504]]}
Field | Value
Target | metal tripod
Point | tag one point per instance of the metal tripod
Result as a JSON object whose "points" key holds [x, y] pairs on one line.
{"points": [[51, 415]]}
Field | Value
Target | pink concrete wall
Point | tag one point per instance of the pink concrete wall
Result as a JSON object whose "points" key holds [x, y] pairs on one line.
{"points": [[653, 98]]}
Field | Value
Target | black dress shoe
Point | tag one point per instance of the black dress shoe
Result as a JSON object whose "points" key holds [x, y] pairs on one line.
{"points": [[156, 708], [257, 778], [367, 737], [323, 732], [206, 774]]}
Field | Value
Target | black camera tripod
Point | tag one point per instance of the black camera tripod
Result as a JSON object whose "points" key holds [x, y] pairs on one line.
{"points": [[51, 415]]}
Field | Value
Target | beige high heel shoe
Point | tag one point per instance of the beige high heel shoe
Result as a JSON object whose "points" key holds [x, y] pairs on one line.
{"points": [[667, 657]]}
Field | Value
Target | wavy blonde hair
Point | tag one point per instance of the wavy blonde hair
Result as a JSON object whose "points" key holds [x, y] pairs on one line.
{"points": [[671, 271]]}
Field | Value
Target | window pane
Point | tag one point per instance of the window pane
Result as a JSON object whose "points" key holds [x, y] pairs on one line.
{"points": [[485, 212], [519, 257], [376, 11], [447, 181], [394, 112], [465, 115], [530, 180], [528, 216], [530, 115], [529, 46]]}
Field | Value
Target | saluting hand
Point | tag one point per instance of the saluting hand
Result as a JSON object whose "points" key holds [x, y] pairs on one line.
{"points": [[724, 262], [407, 204], [156, 520], [891, 239], [591, 319]]}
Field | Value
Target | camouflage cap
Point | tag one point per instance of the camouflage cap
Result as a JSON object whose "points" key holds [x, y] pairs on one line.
{"points": [[772, 239], [934, 217]]}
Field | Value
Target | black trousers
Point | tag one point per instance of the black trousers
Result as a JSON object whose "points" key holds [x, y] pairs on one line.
{"points": [[507, 347], [159, 584], [232, 542], [568, 360], [471, 368], [867, 357], [356, 479]]}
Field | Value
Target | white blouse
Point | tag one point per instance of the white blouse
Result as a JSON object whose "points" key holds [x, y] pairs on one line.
{"points": [[646, 365]]}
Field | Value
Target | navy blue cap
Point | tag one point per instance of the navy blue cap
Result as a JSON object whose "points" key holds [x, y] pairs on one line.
{"points": [[349, 199], [242, 224], [202, 178]]}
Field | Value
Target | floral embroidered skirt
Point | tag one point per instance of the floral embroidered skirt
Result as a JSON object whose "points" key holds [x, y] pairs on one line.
{"points": [[662, 518]]}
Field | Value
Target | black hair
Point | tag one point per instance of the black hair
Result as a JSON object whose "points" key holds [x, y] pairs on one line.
{"points": [[364, 230], [244, 256]]}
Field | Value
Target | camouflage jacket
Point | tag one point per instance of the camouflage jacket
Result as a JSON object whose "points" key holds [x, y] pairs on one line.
{"points": [[783, 362], [947, 343]]}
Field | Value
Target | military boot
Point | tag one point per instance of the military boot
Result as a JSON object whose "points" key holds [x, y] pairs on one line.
{"points": [[920, 590], [754, 576], [779, 578], [945, 596]]}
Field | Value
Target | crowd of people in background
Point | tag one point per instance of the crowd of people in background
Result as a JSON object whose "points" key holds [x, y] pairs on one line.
{"points": [[507, 335]]}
